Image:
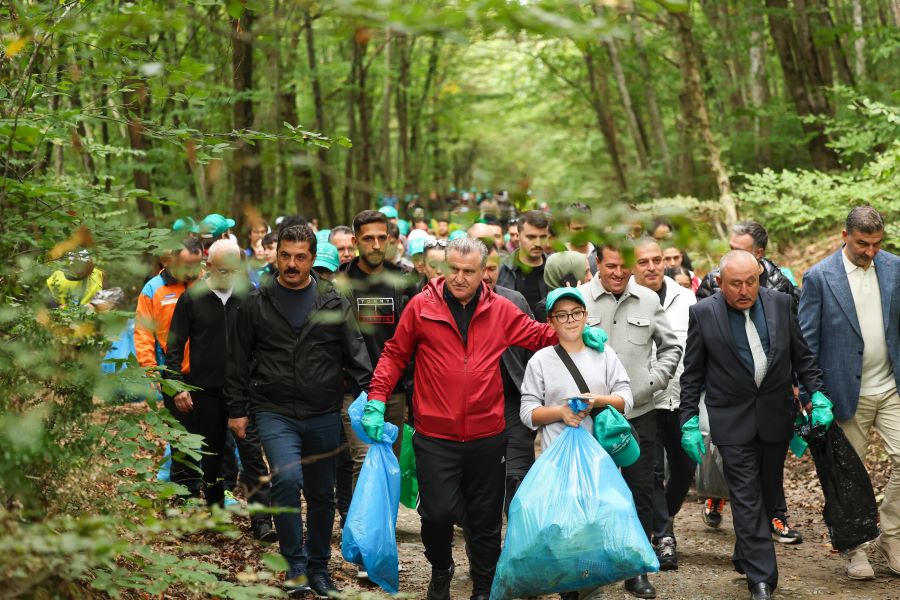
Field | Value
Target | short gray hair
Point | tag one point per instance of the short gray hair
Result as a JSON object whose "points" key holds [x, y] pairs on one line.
{"points": [[223, 247], [754, 230], [466, 246], [864, 219], [734, 255]]}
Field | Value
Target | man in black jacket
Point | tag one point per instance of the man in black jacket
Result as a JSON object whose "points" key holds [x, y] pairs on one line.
{"points": [[295, 338], [202, 318], [378, 292], [743, 345], [523, 270]]}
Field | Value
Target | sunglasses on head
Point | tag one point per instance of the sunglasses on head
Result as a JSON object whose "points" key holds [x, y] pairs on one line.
{"points": [[436, 244]]}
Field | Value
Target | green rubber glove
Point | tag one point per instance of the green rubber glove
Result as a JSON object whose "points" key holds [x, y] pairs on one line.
{"points": [[594, 337], [373, 420], [692, 439], [798, 445], [821, 412]]}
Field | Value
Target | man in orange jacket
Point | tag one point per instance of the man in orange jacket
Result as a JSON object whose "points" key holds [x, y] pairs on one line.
{"points": [[157, 303]]}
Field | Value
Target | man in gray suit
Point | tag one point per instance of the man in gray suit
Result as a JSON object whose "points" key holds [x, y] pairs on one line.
{"points": [[649, 349], [850, 316]]}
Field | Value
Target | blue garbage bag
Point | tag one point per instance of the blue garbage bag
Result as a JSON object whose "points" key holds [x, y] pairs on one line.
{"points": [[370, 531], [120, 350], [572, 524]]}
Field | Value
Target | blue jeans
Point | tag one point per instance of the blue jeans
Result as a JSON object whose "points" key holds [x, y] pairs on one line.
{"points": [[302, 456]]}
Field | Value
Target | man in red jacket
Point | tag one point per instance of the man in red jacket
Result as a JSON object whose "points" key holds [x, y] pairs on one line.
{"points": [[458, 328]]}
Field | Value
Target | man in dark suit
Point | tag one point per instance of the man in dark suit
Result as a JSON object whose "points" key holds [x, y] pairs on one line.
{"points": [[742, 345]]}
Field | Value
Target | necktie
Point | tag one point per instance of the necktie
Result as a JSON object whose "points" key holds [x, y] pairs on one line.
{"points": [[760, 363]]}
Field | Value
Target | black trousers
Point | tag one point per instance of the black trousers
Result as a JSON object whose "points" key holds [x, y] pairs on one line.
{"points": [[344, 478], [209, 419], [639, 476], [453, 472], [519, 450], [253, 475], [669, 495], [752, 471]]}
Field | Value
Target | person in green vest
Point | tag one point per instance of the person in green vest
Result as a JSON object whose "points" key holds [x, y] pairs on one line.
{"points": [[77, 283]]}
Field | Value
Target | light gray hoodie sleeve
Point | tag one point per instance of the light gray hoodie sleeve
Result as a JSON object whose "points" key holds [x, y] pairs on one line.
{"points": [[533, 391]]}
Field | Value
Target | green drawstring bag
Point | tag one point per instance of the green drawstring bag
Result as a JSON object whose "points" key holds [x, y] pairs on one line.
{"points": [[409, 485]]}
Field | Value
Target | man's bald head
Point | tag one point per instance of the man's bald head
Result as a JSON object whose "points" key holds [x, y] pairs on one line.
{"points": [[481, 231], [739, 279]]}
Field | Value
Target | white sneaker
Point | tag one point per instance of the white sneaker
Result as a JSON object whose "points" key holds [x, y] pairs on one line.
{"points": [[859, 567], [361, 573]]}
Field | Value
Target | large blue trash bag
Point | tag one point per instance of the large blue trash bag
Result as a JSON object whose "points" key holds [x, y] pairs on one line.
{"points": [[572, 524], [370, 532], [120, 350]]}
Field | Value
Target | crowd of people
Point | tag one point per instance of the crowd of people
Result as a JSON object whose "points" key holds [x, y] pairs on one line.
{"points": [[465, 332]]}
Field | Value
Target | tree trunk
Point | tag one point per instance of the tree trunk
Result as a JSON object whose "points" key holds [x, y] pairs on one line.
{"points": [[895, 9], [625, 96], [859, 44], [804, 83], [659, 133], [690, 72], [405, 47], [136, 102], [599, 96], [364, 167], [759, 89], [322, 153], [386, 172], [246, 167], [301, 170], [418, 108]]}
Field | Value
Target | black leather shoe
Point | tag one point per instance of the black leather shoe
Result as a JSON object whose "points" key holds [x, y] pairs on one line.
{"points": [[264, 532], [760, 591], [321, 584], [480, 597], [439, 588], [640, 587]]}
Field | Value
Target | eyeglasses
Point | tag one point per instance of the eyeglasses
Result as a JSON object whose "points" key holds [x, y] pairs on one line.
{"points": [[436, 244], [225, 272], [575, 315]]}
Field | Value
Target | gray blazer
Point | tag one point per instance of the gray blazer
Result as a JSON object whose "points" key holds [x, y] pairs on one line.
{"points": [[640, 334], [828, 320]]}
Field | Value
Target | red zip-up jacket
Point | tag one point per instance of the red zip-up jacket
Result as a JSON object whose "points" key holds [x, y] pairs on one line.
{"points": [[458, 392]]}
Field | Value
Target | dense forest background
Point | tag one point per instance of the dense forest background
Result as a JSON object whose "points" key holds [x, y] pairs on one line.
{"points": [[118, 117]]}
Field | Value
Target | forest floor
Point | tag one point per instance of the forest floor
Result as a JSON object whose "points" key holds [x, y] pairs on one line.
{"points": [[808, 570]]}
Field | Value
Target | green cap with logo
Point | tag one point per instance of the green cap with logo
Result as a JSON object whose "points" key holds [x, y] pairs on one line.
{"points": [[613, 431], [214, 225], [327, 257]]}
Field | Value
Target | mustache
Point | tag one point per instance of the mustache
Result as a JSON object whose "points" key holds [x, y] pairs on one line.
{"points": [[292, 271]]}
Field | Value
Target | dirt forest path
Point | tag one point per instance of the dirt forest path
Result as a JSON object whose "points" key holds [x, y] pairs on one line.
{"points": [[807, 570]]}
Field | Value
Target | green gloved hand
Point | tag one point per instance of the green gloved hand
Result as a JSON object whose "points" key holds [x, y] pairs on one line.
{"points": [[594, 337], [798, 445], [821, 412], [373, 420], [692, 439]]}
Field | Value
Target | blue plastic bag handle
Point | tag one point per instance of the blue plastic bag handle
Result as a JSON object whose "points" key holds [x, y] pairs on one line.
{"points": [[577, 405]]}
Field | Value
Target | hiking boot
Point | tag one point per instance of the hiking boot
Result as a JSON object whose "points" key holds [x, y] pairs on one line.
{"points": [[712, 513], [322, 586], [665, 552], [439, 587], [264, 532], [859, 567], [890, 550], [784, 533], [640, 587]]}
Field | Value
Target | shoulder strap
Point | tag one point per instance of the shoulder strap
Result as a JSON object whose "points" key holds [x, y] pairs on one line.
{"points": [[573, 370]]}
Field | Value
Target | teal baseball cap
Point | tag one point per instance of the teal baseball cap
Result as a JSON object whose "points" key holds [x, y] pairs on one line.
{"points": [[390, 212], [613, 431], [214, 225], [184, 224], [416, 245], [564, 292], [327, 256], [404, 226], [322, 236], [458, 233]]}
